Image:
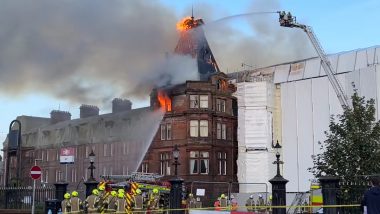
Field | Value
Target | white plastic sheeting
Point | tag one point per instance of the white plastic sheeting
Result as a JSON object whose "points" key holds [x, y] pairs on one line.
{"points": [[255, 101], [307, 102]]}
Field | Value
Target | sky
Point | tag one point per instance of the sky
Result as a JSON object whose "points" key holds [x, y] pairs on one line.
{"points": [[60, 54]]}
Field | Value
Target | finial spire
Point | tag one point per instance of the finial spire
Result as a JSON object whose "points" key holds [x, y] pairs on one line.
{"points": [[192, 11]]}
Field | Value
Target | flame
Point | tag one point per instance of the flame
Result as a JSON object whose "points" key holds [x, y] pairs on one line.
{"points": [[184, 24], [164, 100]]}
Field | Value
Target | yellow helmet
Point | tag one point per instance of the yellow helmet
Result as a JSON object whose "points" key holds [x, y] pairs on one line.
{"points": [[101, 187], [270, 197], [74, 194], [222, 196], [95, 192], [138, 191], [67, 195], [120, 190], [120, 195], [155, 190], [113, 193]]}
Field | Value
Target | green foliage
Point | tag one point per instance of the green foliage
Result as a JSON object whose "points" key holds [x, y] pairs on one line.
{"points": [[352, 148]]}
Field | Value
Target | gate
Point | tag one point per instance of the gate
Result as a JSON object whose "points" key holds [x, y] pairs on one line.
{"points": [[21, 197]]}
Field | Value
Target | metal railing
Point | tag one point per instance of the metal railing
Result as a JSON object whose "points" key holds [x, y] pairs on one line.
{"points": [[21, 197]]}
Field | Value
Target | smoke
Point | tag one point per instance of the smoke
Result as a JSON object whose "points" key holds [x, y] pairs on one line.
{"points": [[86, 51], [91, 51], [256, 39]]}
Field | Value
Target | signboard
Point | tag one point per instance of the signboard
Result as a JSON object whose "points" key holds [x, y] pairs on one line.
{"points": [[35, 172], [67, 155], [200, 192]]}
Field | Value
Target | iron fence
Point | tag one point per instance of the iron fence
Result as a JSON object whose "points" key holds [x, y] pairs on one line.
{"points": [[352, 193], [21, 197]]}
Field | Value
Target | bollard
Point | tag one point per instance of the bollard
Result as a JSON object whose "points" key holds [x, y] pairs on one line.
{"points": [[278, 193]]}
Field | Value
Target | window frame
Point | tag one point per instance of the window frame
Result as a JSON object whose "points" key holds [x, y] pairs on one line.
{"points": [[196, 159], [222, 163], [165, 166], [220, 105]]}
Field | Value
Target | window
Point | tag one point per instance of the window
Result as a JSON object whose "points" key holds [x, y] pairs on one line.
{"points": [[199, 162], [218, 130], [125, 148], [198, 101], [222, 163], [87, 152], [203, 101], [166, 131], [169, 131], [46, 176], [165, 163], [194, 128], [199, 128], [220, 105], [194, 103], [163, 131], [111, 149], [204, 128], [144, 167], [224, 133], [104, 150]]}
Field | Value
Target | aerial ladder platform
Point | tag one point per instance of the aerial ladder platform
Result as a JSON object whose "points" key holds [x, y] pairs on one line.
{"points": [[287, 20]]}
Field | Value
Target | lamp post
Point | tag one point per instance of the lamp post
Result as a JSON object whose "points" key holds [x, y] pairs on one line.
{"points": [[176, 185], [278, 185], [91, 182], [92, 167]]}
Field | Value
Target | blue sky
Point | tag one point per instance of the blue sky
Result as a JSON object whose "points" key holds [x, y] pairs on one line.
{"points": [[340, 26]]}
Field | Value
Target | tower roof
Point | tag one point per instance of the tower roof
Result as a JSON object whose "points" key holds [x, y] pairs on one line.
{"points": [[193, 42]]}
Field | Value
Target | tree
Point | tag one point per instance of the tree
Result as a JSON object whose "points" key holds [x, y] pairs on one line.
{"points": [[352, 148]]}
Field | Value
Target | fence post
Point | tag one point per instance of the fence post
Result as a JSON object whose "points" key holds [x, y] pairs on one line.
{"points": [[176, 195], [330, 187], [60, 190], [90, 185], [278, 193]]}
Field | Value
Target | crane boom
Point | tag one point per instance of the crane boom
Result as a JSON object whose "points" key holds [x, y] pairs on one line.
{"points": [[287, 20]]}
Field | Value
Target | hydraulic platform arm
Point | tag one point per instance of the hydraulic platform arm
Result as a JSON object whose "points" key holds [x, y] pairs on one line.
{"points": [[287, 20]]}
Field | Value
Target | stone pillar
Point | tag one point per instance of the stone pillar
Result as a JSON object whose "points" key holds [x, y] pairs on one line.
{"points": [[330, 188], [60, 190], [90, 185], [278, 193], [176, 195]]}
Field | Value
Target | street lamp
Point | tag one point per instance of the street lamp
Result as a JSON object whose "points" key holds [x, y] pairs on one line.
{"points": [[278, 184], [176, 156], [278, 162], [92, 167]]}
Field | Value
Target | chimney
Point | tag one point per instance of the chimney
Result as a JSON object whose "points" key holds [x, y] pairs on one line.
{"points": [[119, 105], [88, 111], [57, 116]]}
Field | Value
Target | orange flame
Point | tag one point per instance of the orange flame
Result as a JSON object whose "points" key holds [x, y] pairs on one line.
{"points": [[185, 24], [164, 100]]}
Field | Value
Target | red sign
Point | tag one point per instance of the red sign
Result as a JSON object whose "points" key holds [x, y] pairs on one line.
{"points": [[67, 155], [35, 172]]}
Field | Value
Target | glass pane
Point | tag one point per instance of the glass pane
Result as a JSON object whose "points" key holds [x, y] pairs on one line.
{"points": [[218, 131], [193, 128], [204, 154], [203, 128], [193, 166], [194, 101], [204, 166], [163, 132], [169, 131], [194, 154], [224, 134], [204, 101]]}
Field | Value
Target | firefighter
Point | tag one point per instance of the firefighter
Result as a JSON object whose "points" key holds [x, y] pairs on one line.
{"points": [[154, 198], [234, 203], [102, 197], [92, 202], [120, 203], [138, 201], [250, 204], [111, 200], [260, 203], [223, 201], [191, 202], [269, 204], [66, 206], [75, 203], [217, 204]]}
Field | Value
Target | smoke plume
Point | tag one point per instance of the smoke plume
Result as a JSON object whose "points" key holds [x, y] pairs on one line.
{"points": [[91, 51]]}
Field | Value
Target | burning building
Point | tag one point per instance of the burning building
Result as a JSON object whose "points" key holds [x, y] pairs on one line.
{"points": [[198, 115]]}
